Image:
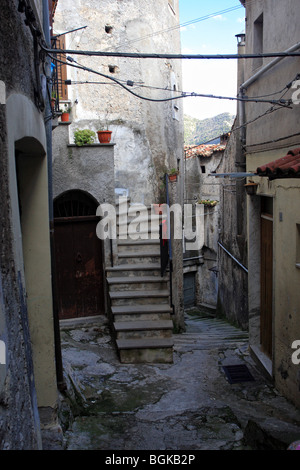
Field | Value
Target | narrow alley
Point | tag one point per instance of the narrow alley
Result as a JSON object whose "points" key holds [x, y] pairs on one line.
{"points": [[187, 405]]}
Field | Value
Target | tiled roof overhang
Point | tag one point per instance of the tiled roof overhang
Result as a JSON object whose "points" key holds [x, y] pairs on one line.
{"points": [[285, 167], [203, 150]]}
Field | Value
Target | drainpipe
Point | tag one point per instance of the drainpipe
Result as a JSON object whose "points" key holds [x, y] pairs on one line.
{"points": [[48, 127], [240, 156]]}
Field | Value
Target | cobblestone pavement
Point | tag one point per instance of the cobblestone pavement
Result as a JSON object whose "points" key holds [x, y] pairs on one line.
{"points": [[189, 404]]}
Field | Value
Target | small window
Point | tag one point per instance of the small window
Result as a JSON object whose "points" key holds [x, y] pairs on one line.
{"points": [[258, 40], [298, 246], [108, 29], [203, 170], [113, 69], [267, 205]]}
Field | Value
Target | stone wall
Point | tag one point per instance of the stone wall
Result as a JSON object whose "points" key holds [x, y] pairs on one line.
{"points": [[148, 135], [19, 421], [233, 279], [28, 388]]}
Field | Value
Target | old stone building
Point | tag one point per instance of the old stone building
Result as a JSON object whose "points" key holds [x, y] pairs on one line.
{"points": [[259, 285], [134, 98], [28, 381], [148, 135], [200, 266], [273, 208]]}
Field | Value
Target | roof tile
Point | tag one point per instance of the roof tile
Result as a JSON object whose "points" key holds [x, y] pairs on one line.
{"points": [[203, 150], [285, 167]]}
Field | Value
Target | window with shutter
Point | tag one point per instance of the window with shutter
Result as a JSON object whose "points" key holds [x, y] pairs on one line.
{"points": [[62, 69]]}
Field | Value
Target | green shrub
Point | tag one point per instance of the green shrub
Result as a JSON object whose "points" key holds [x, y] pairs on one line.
{"points": [[84, 137]]}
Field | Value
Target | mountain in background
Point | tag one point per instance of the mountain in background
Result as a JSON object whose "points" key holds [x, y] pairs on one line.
{"points": [[197, 132]]}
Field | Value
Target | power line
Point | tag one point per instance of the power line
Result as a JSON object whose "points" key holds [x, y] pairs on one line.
{"points": [[138, 55], [130, 83], [269, 111], [274, 140]]}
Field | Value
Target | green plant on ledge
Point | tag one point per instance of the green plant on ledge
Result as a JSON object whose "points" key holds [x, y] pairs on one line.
{"points": [[208, 202], [84, 137]]}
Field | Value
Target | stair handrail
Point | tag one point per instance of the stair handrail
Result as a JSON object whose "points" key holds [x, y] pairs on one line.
{"points": [[166, 256]]}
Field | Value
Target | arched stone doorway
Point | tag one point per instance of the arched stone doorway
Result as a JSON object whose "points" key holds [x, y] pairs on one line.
{"points": [[78, 256]]}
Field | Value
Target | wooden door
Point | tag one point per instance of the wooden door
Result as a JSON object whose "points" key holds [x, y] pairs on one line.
{"points": [[79, 269], [266, 284]]}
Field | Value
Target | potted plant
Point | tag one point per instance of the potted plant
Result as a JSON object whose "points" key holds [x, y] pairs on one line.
{"points": [[173, 174], [84, 137], [65, 117], [158, 208], [104, 136], [103, 133], [208, 202]]}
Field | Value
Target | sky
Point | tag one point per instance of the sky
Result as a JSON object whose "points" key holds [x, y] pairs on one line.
{"points": [[215, 35]]}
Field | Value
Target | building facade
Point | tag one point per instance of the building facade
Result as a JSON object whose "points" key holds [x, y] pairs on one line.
{"points": [[28, 382], [273, 217], [148, 135], [133, 97]]}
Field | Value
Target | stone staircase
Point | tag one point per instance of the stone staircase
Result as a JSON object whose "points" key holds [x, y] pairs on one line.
{"points": [[140, 298]]}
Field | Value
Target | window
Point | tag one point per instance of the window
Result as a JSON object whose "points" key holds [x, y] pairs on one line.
{"points": [[258, 40], [113, 69], [108, 29], [175, 110], [60, 88], [298, 246]]}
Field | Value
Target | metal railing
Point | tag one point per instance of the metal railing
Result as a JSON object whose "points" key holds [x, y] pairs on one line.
{"points": [[166, 257]]}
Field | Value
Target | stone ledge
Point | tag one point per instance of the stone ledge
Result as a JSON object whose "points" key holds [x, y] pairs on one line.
{"points": [[91, 145]]}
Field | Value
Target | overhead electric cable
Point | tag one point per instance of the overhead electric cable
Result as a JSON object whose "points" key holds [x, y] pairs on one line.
{"points": [[182, 95], [140, 55]]}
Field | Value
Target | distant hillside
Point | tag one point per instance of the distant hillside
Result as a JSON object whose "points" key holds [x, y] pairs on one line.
{"points": [[197, 132]]}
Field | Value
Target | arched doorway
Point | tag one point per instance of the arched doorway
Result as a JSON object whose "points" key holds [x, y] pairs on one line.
{"points": [[78, 256]]}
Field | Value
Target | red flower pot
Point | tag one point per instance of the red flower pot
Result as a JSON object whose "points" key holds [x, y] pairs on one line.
{"points": [[104, 137], [173, 177], [65, 117], [158, 209]]}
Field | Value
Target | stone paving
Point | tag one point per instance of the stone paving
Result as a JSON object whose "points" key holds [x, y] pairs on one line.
{"points": [[189, 404]]}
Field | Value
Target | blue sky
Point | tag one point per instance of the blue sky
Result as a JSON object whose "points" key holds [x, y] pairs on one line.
{"points": [[215, 35]]}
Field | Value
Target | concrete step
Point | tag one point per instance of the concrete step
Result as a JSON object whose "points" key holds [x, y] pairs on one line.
{"points": [[141, 297], [141, 312], [143, 233], [138, 246], [128, 270], [143, 329], [146, 350], [139, 242], [141, 257], [125, 283]]}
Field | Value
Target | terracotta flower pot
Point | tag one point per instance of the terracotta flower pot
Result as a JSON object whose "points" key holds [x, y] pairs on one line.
{"points": [[104, 137], [158, 209], [173, 177], [65, 117]]}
